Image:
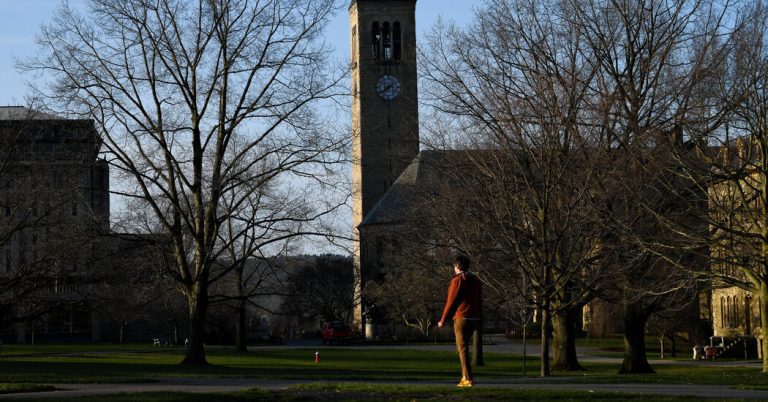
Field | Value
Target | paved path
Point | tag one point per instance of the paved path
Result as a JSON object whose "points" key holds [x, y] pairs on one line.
{"points": [[209, 385]]}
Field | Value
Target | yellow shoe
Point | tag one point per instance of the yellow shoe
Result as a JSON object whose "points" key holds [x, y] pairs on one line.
{"points": [[464, 383]]}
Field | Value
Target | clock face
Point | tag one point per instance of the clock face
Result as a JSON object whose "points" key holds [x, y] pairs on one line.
{"points": [[388, 87]]}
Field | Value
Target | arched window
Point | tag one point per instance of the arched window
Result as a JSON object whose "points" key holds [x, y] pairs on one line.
{"points": [[387, 34], [728, 311], [397, 41], [735, 315], [376, 41]]}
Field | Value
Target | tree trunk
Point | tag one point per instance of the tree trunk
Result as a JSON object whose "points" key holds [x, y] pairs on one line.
{"points": [[198, 308], [477, 345], [122, 332], [764, 323], [635, 359], [564, 330], [661, 346], [525, 351], [672, 344], [545, 342], [241, 342]]}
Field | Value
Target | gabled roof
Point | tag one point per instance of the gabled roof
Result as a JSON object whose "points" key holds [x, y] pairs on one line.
{"points": [[425, 177]]}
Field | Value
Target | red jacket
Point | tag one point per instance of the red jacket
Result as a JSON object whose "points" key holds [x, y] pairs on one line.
{"points": [[464, 297]]}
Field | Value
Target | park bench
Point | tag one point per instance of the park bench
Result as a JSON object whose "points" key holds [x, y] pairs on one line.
{"points": [[160, 342]]}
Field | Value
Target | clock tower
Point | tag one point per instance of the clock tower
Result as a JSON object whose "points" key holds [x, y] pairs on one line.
{"points": [[385, 124]]}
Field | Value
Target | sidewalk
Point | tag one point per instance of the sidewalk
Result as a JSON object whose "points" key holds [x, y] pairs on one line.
{"points": [[209, 385]]}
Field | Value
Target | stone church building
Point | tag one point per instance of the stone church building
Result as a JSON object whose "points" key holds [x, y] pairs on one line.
{"points": [[391, 176], [393, 181]]}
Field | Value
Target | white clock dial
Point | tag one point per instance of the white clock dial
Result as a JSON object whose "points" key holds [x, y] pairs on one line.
{"points": [[388, 87]]}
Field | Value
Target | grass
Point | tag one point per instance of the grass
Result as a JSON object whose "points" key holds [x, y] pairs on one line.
{"points": [[418, 392], [336, 364], [16, 388], [141, 363], [7, 350], [249, 395], [380, 392]]}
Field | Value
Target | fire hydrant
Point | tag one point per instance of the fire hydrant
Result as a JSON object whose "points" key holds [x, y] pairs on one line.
{"points": [[317, 357]]}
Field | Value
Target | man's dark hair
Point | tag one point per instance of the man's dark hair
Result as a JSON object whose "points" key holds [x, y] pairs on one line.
{"points": [[462, 261]]}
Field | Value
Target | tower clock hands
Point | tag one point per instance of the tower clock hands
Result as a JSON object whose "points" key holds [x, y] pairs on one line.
{"points": [[388, 87]]}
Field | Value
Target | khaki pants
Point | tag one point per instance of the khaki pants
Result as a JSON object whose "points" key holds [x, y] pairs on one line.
{"points": [[463, 330]]}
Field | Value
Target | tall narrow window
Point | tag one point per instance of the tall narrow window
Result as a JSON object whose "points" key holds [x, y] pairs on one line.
{"points": [[387, 42], [747, 315], [376, 41], [354, 55], [397, 41], [722, 312]]}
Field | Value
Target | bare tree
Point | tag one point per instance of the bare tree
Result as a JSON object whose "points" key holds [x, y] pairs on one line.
{"points": [[732, 138], [131, 283], [196, 100], [320, 288], [516, 84], [258, 228], [412, 294], [650, 58]]}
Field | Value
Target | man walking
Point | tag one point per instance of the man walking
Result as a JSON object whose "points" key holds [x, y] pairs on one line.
{"points": [[463, 305]]}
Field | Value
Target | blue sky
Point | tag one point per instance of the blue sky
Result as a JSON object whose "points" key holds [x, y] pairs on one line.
{"points": [[20, 20]]}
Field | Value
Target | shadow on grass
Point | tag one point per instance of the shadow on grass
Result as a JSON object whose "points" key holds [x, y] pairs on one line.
{"points": [[335, 365]]}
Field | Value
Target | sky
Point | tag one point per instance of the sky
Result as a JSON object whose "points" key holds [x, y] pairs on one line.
{"points": [[20, 20]]}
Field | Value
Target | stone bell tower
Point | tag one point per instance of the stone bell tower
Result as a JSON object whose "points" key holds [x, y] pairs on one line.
{"points": [[385, 121]]}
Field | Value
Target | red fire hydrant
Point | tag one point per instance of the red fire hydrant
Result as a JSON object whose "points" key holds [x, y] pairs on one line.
{"points": [[317, 357]]}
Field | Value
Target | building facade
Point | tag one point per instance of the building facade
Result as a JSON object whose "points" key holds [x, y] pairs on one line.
{"points": [[54, 195], [736, 214]]}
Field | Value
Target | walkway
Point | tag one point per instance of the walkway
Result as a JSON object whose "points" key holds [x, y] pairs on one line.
{"points": [[209, 385]]}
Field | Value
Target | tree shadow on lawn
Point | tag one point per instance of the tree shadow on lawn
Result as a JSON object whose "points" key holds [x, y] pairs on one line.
{"points": [[279, 364], [337, 366], [111, 372]]}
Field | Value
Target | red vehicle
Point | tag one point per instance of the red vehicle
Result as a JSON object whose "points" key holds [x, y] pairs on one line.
{"points": [[336, 331]]}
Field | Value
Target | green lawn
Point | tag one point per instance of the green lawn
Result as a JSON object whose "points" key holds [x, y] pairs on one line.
{"points": [[140, 363], [15, 388], [74, 348], [335, 364]]}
